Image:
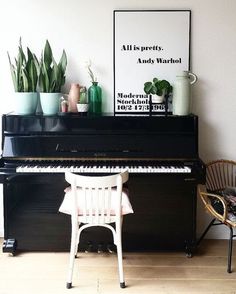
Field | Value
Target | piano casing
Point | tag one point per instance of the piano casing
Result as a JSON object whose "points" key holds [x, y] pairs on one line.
{"points": [[164, 203]]}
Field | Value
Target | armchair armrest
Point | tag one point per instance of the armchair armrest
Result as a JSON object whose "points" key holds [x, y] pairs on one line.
{"points": [[208, 205]]}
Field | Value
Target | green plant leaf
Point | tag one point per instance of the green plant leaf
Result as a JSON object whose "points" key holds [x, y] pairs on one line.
{"points": [[55, 77], [19, 64], [148, 87], [29, 55], [155, 80], [46, 75], [47, 55], [159, 92], [53, 87], [13, 73], [164, 84], [25, 79], [33, 76], [51, 74], [37, 64], [41, 83], [153, 90], [22, 55], [63, 62]]}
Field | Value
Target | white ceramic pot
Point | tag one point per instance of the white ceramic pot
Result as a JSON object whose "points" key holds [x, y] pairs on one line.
{"points": [[82, 107], [182, 99], [50, 103], [157, 99], [25, 103]]}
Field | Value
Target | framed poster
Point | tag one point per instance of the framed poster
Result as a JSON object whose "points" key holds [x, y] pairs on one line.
{"points": [[148, 44]]}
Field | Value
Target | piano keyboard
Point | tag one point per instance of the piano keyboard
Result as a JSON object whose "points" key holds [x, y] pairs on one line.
{"points": [[102, 169]]}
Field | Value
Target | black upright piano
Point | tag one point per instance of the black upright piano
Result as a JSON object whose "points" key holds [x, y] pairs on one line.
{"points": [[160, 152]]}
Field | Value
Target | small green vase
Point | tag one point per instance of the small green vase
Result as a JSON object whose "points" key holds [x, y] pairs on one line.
{"points": [[95, 99]]}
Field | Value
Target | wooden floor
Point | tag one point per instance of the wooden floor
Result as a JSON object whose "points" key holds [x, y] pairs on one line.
{"points": [[45, 273]]}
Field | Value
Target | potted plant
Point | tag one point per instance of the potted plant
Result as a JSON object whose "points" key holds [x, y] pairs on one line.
{"points": [[159, 88], [51, 79], [25, 78], [94, 92]]}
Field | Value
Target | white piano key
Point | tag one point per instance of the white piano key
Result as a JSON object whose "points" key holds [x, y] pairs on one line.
{"points": [[102, 169]]}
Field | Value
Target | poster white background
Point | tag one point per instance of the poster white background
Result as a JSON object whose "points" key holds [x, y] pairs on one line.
{"points": [[147, 44]]}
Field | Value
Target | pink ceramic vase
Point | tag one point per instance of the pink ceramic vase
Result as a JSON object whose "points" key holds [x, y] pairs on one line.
{"points": [[73, 98]]}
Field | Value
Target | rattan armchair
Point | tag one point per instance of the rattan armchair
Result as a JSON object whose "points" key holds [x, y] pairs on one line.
{"points": [[219, 175]]}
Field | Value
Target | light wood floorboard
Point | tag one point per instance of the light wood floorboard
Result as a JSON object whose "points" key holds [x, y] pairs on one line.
{"points": [[161, 272]]}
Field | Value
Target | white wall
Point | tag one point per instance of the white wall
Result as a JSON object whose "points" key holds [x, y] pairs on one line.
{"points": [[84, 30]]}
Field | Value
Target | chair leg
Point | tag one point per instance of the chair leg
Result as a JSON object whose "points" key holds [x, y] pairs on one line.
{"points": [[229, 270], [120, 257], [205, 232], [120, 264], [72, 256], [77, 241]]}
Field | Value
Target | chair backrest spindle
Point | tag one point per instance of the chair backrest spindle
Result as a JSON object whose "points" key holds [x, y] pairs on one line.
{"points": [[97, 192]]}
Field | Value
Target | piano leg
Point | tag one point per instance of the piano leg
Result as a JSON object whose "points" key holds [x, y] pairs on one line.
{"points": [[190, 249], [9, 245]]}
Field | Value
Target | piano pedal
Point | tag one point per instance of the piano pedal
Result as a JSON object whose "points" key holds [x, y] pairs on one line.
{"points": [[111, 248], [100, 248], [89, 247]]}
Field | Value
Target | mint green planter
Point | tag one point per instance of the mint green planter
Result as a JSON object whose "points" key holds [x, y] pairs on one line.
{"points": [[95, 99], [25, 103], [50, 103]]}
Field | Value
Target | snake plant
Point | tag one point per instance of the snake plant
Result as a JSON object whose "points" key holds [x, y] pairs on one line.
{"points": [[24, 72], [51, 74]]}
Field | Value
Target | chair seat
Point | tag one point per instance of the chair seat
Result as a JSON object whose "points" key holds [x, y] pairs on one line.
{"points": [[231, 219], [67, 204], [229, 196]]}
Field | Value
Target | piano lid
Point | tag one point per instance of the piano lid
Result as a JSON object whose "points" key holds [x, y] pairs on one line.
{"points": [[65, 137], [74, 123]]}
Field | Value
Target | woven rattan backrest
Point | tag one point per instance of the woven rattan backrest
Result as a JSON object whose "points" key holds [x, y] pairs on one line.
{"points": [[220, 174]]}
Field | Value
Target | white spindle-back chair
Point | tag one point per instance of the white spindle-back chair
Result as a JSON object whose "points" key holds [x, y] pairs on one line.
{"points": [[100, 205]]}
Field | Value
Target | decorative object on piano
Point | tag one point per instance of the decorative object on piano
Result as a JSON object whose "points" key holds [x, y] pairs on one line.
{"points": [[83, 95], [182, 93], [25, 77], [95, 99], [74, 97], [82, 105], [51, 79], [64, 106], [159, 91], [159, 88], [94, 93]]}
